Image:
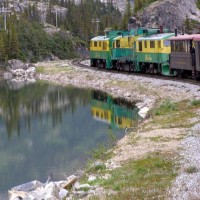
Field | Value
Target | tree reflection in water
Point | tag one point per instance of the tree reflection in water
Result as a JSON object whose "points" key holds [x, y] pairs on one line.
{"points": [[17, 107]]}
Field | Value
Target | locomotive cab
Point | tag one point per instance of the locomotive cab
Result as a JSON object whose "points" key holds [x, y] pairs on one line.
{"points": [[153, 53], [99, 51]]}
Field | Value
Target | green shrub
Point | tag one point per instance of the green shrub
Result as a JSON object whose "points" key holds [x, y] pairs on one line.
{"points": [[198, 4], [195, 102], [165, 108]]}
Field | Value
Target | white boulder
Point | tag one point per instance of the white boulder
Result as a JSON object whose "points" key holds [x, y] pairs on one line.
{"points": [[143, 112]]}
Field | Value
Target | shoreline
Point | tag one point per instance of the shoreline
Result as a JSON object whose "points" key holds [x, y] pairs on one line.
{"points": [[152, 135]]}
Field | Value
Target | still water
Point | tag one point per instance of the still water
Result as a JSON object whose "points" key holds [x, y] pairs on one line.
{"points": [[48, 129]]}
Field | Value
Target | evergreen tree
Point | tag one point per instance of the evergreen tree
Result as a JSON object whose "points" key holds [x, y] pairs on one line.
{"points": [[2, 46], [137, 5], [127, 15], [12, 41]]}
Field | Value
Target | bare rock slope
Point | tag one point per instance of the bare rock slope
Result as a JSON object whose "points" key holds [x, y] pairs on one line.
{"points": [[169, 13]]}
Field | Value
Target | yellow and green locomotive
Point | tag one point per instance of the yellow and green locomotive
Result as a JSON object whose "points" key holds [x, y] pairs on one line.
{"points": [[101, 49], [152, 54]]}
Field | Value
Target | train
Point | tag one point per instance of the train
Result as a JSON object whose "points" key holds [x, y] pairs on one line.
{"points": [[147, 50]]}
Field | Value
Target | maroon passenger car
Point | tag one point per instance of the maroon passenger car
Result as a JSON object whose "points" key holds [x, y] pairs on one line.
{"points": [[185, 55]]}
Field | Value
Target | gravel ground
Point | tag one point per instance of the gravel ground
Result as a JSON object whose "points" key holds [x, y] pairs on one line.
{"points": [[187, 184]]}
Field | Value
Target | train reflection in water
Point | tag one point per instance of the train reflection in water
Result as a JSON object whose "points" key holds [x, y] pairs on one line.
{"points": [[116, 112]]}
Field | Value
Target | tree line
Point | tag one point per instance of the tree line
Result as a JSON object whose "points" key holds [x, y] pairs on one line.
{"points": [[26, 39]]}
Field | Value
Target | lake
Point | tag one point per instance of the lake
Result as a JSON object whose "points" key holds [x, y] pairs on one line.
{"points": [[47, 129]]}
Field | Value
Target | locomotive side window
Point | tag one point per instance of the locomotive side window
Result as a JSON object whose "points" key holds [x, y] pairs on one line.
{"points": [[117, 43], [95, 44], [99, 44], [152, 44], [166, 43], [140, 46]]}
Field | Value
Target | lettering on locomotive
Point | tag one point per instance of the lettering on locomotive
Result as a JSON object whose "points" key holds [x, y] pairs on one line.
{"points": [[148, 58]]}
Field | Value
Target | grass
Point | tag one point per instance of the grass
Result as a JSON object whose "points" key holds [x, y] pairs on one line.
{"points": [[101, 153], [146, 178], [165, 108], [195, 103], [53, 69], [160, 139], [173, 115], [40, 69], [198, 4]]}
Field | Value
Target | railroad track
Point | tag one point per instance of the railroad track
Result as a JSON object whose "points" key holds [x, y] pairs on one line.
{"points": [[177, 79]]}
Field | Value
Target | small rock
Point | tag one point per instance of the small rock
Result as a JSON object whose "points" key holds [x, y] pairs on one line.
{"points": [[82, 186], [106, 176], [143, 112], [127, 95], [26, 187], [63, 193], [30, 71], [51, 190], [92, 178], [80, 194], [14, 194]]}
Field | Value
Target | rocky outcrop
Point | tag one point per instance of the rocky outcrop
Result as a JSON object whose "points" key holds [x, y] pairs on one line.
{"points": [[169, 13], [17, 68], [42, 7], [68, 189]]}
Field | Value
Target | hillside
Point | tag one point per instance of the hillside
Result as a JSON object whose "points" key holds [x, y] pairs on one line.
{"points": [[171, 14], [168, 13]]}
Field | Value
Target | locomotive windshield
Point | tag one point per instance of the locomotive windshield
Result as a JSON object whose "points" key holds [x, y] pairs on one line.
{"points": [[166, 43]]}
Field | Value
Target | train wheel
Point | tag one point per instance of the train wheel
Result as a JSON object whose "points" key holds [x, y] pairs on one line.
{"points": [[97, 63], [104, 64], [118, 66], [131, 67], [94, 63], [197, 76], [121, 67], [180, 74]]}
